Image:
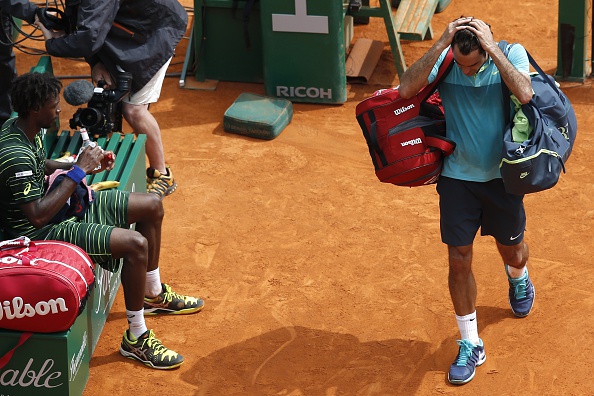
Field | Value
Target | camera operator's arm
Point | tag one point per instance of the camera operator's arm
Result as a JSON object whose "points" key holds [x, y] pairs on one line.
{"points": [[94, 20], [21, 9], [41, 211], [47, 34], [99, 72]]}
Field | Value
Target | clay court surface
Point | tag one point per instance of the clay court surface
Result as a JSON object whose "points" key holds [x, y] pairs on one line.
{"points": [[320, 280]]}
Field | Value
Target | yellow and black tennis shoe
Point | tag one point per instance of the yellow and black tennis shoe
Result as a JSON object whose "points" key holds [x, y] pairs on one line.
{"points": [[159, 183], [169, 302], [150, 351]]}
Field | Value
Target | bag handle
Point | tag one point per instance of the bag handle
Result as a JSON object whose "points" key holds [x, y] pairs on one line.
{"points": [[444, 144], [543, 74], [21, 241], [8, 355], [442, 72]]}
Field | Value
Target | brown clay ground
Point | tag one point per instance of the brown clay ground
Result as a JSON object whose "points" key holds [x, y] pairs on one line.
{"points": [[320, 280]]}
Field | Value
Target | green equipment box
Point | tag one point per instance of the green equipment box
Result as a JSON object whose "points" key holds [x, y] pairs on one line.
{"points": [[304, 50], [225, 47]]}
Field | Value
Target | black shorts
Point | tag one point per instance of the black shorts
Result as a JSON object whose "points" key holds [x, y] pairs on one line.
{"points": [[464, 206]]}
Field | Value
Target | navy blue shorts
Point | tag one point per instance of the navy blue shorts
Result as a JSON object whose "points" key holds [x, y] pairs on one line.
{"points": [[466, 206]]}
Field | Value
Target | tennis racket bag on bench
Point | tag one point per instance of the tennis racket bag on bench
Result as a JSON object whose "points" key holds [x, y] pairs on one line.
{"points": [[44, 285], [406, 137]]}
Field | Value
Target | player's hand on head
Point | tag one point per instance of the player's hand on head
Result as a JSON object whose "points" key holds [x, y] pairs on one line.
{"points": [[483, 32], [451, 29]]}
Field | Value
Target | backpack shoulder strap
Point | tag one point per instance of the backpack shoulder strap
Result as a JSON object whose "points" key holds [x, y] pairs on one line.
{"points": [[444, 69], [542, 73], [445, 66], [504, 47]]}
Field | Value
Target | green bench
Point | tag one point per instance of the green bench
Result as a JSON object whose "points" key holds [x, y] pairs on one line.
{"points": [[412, 21], [57, 364], [130, 174]]}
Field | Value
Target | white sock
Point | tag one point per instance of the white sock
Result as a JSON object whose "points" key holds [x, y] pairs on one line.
{"points": [[136, 322], [514, 272], [468, 327], [152, 287]]}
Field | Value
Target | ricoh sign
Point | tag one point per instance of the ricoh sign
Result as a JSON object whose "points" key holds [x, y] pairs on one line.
{"points": [[304, 93], [304, 50]]}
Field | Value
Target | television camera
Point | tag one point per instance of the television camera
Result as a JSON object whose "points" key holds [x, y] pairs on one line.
{"points": [[103, 113]]}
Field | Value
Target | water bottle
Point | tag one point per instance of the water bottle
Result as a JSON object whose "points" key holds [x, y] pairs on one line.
{"points": [[86, 142]]}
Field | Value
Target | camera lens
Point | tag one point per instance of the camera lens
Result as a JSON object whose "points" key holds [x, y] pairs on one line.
{"points": [[124, 81], [90, 117]]}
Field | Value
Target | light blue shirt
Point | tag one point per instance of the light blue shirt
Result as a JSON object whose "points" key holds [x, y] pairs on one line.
{"points": [[475, 117]]}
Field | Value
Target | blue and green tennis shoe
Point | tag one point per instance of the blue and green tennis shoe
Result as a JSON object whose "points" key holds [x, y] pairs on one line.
{"points": [[521, 294], [469, 357]]}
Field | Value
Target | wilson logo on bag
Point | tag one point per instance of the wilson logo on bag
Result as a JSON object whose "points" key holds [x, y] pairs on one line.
{"points": [[406, 137], [44, 285]]}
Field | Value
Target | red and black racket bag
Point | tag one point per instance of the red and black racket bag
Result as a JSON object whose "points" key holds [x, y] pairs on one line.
{"points": [[406, 137], [44, 285]]}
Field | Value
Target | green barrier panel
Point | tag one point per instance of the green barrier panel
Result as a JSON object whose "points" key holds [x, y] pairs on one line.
{"points": [[15, 32], [572, 43], [44, 65], [134, 174], [55, 364], [304, 50], [100, 302], [220, 47]]}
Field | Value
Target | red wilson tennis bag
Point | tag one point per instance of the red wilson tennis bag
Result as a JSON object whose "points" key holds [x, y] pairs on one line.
{"points": [[406, 137], [44, 285]]}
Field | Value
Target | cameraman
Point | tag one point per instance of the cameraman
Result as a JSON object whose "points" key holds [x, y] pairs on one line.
{"points": [[138, 36], [21, 9]]}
